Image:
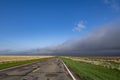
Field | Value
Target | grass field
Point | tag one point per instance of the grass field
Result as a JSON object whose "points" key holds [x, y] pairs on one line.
{"points": [[109, 62], [10, 61], [88, 71], [19, 58]]}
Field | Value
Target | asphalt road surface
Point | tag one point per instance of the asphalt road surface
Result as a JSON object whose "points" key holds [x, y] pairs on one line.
{"points": [[51, 69]]}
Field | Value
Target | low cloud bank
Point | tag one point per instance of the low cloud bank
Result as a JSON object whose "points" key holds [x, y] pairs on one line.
{"points": [[102, 41]]}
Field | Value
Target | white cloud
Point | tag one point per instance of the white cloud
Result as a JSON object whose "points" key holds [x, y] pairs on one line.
{"points": [[80, 26], [113, 4]]}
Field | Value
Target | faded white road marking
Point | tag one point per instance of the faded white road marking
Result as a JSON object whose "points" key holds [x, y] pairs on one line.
{"points": [[36, 70]]}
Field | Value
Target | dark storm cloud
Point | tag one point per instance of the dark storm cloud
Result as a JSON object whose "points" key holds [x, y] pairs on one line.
{"points": [[103, 41]]}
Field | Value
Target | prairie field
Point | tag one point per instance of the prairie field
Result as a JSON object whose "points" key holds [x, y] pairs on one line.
{"points": [[99, 58], [20, 58], [11, 61], [95, 68], [109, 62]]}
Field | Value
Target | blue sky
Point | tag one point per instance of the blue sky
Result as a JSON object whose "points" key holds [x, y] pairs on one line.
{"points": [[30, 24]]}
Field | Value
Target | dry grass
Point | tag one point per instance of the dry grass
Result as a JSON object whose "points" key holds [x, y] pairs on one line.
{"points": [[98, 58], [19, 58], [109, 62]]}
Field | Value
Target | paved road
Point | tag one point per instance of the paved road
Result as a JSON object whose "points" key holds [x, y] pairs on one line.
{"points": [[51, 69]]}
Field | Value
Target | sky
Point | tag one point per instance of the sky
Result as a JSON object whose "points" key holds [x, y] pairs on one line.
{"points": [[50, 24]]}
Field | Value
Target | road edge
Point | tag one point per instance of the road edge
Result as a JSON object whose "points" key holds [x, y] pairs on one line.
{"points": [[70, 73]]}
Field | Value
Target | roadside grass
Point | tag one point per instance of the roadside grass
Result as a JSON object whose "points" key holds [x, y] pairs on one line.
{"points": [[4, 65], [107, 64], [88, 71]]}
